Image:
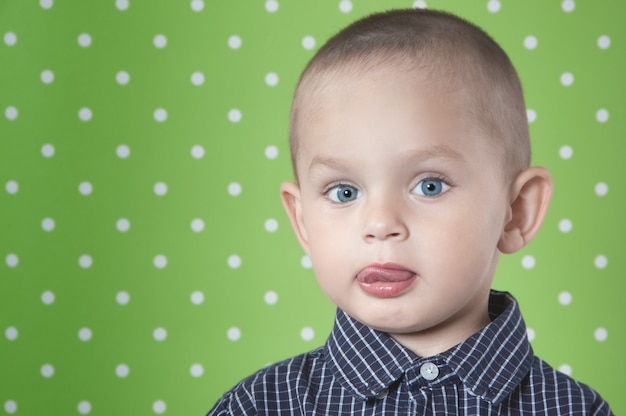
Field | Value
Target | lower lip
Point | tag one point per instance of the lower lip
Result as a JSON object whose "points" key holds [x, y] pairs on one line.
{"points": [[386, 289]]}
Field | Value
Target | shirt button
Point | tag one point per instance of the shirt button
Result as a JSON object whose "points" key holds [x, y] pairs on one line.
{"points": [[429, 371]]}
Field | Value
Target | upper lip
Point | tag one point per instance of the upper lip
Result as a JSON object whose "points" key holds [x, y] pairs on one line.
{"points": [[384, 272]]}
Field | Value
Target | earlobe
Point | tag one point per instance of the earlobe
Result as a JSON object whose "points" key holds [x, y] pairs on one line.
{"points": [[531, 193], [290, 195]]}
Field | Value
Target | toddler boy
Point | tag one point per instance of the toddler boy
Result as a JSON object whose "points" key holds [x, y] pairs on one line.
{"points": [[410, 148]]}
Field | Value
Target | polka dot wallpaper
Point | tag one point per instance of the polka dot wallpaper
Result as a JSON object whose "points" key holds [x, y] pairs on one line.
{"points": [[146, 262]]}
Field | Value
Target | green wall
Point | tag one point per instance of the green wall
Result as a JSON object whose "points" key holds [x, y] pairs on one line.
{"points": [[146, 264]]}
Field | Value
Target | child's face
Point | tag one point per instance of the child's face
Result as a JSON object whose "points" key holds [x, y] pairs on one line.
{"points": [[400, 206]]}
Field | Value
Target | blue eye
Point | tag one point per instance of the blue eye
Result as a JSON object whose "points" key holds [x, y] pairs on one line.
{"points": [[343, 193], [431, 187]]}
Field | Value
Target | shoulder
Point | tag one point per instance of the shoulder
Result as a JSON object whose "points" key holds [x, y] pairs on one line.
{"points": [[553, 389], [277, 383]]}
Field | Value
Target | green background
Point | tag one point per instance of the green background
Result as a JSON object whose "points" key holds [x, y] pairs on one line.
{"points": [[146, 264]]}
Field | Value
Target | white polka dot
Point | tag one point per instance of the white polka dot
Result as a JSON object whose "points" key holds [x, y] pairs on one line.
{"points": [[601, 189], [47, 150], [601, 262], [602, 115], [160, 188], [530, 333], [122, 77], [271, 6], [84, 40], [160, 261], [493, 6], [270, 297], [122, 371], [565, 369], [11, 333], [568, 6], [122, 151], [85, 334], [47, 224], [10, 38], [530, 42], [47, 76], [121, 4], [271, 225], [196, 370], [197, 152], [197, 78], [420, 4], [604, 42], [566, 152], [234, 115], [565, 225], [271, 152], [160, 115], [197, 5], [47, 297], [159, 407], [345, 6], [11, 113], [47, 370], [234, 42], [197, 298], [12, 187], [160, 41], [307, 334], [531, 115], [306, 262], [567, 79], [565, 298], [84, 407], [85, 261], [122, 225], [10, 406], [85, 114], [271, 79], [308, 42], [234, 189], [122, 298], [197, 225], [46, 4], [12, 260], [234, 261], [528, 262], [159, 334], [233, 333], [601, 334]]}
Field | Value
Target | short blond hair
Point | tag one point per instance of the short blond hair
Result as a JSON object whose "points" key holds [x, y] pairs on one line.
{"points": [[440, 46]]}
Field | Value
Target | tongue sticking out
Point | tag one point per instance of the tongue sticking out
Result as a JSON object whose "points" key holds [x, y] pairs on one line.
{"points": [[385, 282], [374, 274]]}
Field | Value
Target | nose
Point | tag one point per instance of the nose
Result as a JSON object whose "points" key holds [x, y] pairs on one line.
{"points": [[384, 221]]}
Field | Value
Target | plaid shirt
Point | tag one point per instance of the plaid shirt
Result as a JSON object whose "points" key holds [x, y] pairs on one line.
{"points": [[361, 371]]}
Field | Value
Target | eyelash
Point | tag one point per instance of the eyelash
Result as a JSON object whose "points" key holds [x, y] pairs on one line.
{"points": [[437, 177]]}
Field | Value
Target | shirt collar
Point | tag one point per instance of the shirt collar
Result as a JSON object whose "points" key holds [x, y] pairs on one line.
{"points": [[491, 363]]}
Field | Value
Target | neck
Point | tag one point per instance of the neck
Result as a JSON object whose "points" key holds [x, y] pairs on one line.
{"points": [[447, 334]]}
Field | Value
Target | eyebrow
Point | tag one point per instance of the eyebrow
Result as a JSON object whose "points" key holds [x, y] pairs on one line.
{"points": [[412, 156]]}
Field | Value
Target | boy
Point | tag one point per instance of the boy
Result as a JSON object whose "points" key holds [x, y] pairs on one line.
{"points": [[411, 153]]}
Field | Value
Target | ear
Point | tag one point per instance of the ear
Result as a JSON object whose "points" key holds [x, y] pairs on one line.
{"points": [[531, 192], [290, 195]]}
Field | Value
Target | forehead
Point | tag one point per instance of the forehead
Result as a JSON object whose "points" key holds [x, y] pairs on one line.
{"points": [[348, 98], [381, 108]]}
